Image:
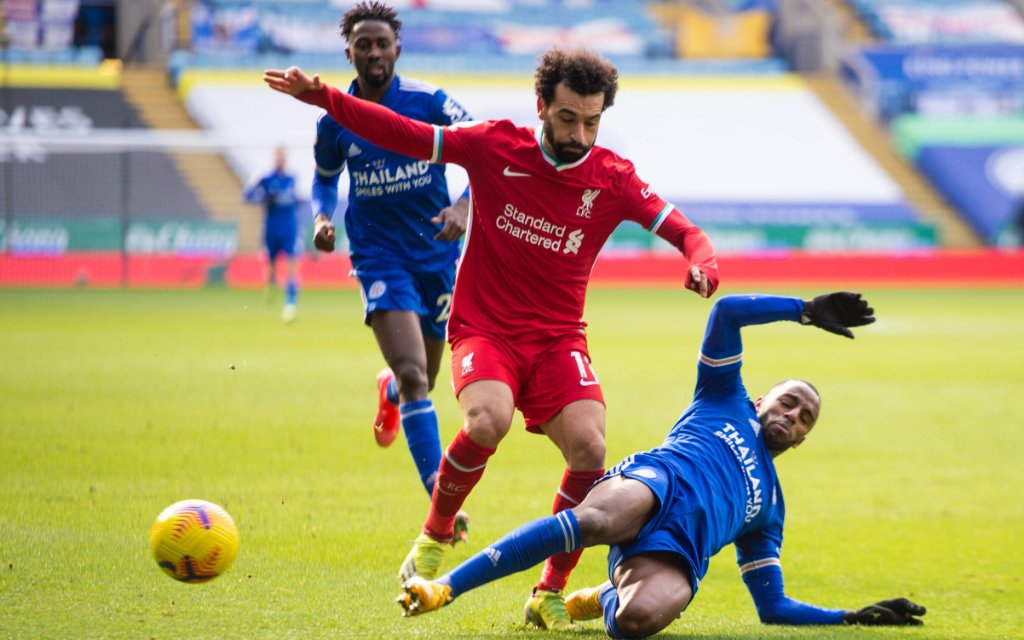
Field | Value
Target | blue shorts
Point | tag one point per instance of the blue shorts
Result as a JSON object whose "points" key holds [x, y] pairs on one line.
{"points": [[281, 237], [675, 523], [428, 295]]}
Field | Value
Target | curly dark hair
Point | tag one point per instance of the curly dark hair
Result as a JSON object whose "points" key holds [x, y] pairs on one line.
{"points": [[584, 72], [369, 11]]}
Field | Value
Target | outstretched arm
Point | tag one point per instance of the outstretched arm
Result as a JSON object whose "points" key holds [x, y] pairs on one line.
{"points": [[834, 312], [255, 193], [731, 313], [366, 119], [774, 607], [721, 353]]}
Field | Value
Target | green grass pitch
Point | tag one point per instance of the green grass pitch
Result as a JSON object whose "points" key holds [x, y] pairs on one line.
{"points": [[115, 404]]}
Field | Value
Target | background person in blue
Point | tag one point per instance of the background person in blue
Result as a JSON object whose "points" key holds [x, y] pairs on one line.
{"points": [[712, 482], [276, 192], [403, 233]]}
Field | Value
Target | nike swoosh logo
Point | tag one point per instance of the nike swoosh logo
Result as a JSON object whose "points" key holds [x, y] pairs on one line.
{"points": [[514, 174]]}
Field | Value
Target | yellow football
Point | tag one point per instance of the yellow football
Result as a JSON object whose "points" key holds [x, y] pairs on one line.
{"points": [[194, 540]]}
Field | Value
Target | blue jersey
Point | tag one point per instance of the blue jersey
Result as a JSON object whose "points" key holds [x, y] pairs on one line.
{"points": [[713, 474], [392, 197], [276, 192]]}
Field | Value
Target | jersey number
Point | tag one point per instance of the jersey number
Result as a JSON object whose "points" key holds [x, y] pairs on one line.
{"points": [[587, 375], [444, 303]]}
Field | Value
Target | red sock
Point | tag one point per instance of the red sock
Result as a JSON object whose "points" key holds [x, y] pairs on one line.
{"points": [[571, 492], [461, 468]]}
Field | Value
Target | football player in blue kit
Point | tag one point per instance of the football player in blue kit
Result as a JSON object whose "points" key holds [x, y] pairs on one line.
{"points": [[276, 192], [665, 512], [403, 233]]}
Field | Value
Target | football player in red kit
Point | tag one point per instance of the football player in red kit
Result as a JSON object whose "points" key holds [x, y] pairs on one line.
{"points": [[543, 203]]}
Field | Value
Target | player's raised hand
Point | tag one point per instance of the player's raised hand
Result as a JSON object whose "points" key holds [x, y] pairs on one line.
{"points": [[698, 282], [323, 233], [898, 611], [453, 220], [292, 81], [835, 312]]}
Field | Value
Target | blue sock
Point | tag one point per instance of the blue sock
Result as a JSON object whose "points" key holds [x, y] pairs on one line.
{"points": [[610, 605], [521, 549], [291, 291], [392, 390], [419, 423]]}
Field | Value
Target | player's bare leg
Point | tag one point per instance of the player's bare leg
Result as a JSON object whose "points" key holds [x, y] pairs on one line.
{"points": [[434, 348], [578, 432], [613, 512], [653, 590], [401, 343]]}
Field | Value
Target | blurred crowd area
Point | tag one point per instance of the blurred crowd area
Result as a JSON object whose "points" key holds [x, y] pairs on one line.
{"points": [[651, 29], [757, 92]]}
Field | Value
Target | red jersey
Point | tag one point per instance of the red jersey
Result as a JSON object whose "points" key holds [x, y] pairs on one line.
{"points": [[536, 225]]}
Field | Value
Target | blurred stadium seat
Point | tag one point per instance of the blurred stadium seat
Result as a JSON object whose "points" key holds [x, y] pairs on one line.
{"points": [[712, 112], [947, 77], [942, 21], [82, 175], [40, 24]]}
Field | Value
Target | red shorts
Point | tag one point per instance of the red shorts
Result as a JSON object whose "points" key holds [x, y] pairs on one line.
{"points": [[544, 376]]}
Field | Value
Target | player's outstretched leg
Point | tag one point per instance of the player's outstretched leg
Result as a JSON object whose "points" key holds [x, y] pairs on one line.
{"points": [[424, 560], [423, 596], [388, 419], [547, 610], [585, 604], [521, 549]]}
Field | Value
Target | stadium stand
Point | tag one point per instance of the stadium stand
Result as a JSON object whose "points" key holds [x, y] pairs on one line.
{"points": [[942, 21], [209, 176], [499, 41], [504, 35], [877, 142], [78, 170], [749, 179], [81, 182], [947, 79], [776, 124], [719, 30], [40, 24]]}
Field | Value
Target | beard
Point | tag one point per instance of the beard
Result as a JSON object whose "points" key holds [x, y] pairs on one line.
{"points": [[564, 152], [374, 81], [775, 442]]}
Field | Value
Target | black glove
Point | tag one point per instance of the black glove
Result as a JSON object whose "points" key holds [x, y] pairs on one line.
{"points": [[898, 611], [836, 311]]}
